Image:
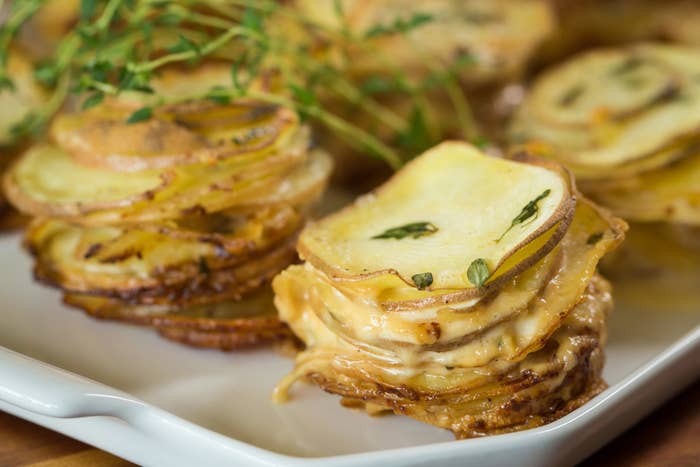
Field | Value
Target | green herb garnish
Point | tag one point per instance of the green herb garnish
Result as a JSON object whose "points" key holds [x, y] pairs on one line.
{"points": [[422, 280], [530, 209], [571, 96], [119, 46], [144, 113], [414, 230], [630, 64], [399, 25], [478, 272]]}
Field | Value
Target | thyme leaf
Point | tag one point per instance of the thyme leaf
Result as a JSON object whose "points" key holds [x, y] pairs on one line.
{"points": [[414, 230], [422, 280], [478, 272], [529, 210], [144, 113], [571, 95], [399, 26]]}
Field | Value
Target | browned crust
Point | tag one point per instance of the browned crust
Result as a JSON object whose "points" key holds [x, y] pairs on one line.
{"points": [[227, 340], [222, 334], [502, 412], [563, 216], [198, 287]]}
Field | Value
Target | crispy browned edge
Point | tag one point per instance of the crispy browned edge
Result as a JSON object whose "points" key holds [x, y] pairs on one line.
{"points": [[230, 340], [228, 334], [201, 288], [563, 215]]}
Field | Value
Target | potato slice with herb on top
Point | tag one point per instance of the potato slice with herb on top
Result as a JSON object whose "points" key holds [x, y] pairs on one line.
{"points": [[510, 215]]}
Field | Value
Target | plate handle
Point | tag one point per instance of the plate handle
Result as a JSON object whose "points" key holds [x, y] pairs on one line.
{"points": [[46, 390]]}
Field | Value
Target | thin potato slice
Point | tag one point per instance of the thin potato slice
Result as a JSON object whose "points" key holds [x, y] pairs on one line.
{"points": [[131, 280], [670, 194], [46, 181], [636, 110], [113, 257], [222, 316], [300, 185], [227, 325], [617, 81], [450, 187], [185, 134]]}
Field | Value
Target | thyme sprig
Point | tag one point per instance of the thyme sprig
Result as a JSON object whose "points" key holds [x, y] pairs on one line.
{"points": [[528, 211], [119, 46]]}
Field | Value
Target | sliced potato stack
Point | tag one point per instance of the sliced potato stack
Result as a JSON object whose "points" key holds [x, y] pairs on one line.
{"points": [[462, 293], [178, 221], [627, 122]]}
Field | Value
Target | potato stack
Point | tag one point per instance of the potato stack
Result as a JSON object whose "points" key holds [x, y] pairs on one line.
{"points": [[462, 293], [178, 219], [627, 122]]}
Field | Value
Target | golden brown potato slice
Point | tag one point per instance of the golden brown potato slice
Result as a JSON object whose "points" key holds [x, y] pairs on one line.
{"points": [[670, 194], [440, 214], [46, 181], [138, 280], [188, 133], [609, 108], [226, 325]]}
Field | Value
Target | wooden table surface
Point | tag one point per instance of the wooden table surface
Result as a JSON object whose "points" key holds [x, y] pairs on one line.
{"points": [[670, 437]]}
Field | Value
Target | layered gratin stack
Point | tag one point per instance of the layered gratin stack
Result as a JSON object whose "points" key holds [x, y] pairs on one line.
{"points": [[627, 122], [175, 216], [462, 293]]}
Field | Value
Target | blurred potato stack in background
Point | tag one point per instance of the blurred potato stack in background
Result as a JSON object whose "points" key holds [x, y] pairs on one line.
{"points": [[470, 305], [626, 120], [17, 100], [418, 72], [176, 217]]}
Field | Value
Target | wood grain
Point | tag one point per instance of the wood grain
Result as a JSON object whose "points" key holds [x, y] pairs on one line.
{"points": [[670, 437]]}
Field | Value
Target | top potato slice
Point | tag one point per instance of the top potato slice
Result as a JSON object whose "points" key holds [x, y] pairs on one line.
{"points": [[608, 108], [188, 133], [16, 104], [470, 206], [618, 82], [47, 181], [497, 35]]}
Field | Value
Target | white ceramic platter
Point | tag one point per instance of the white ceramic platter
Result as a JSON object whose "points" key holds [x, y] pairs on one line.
{"points": [[154, 402]]}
